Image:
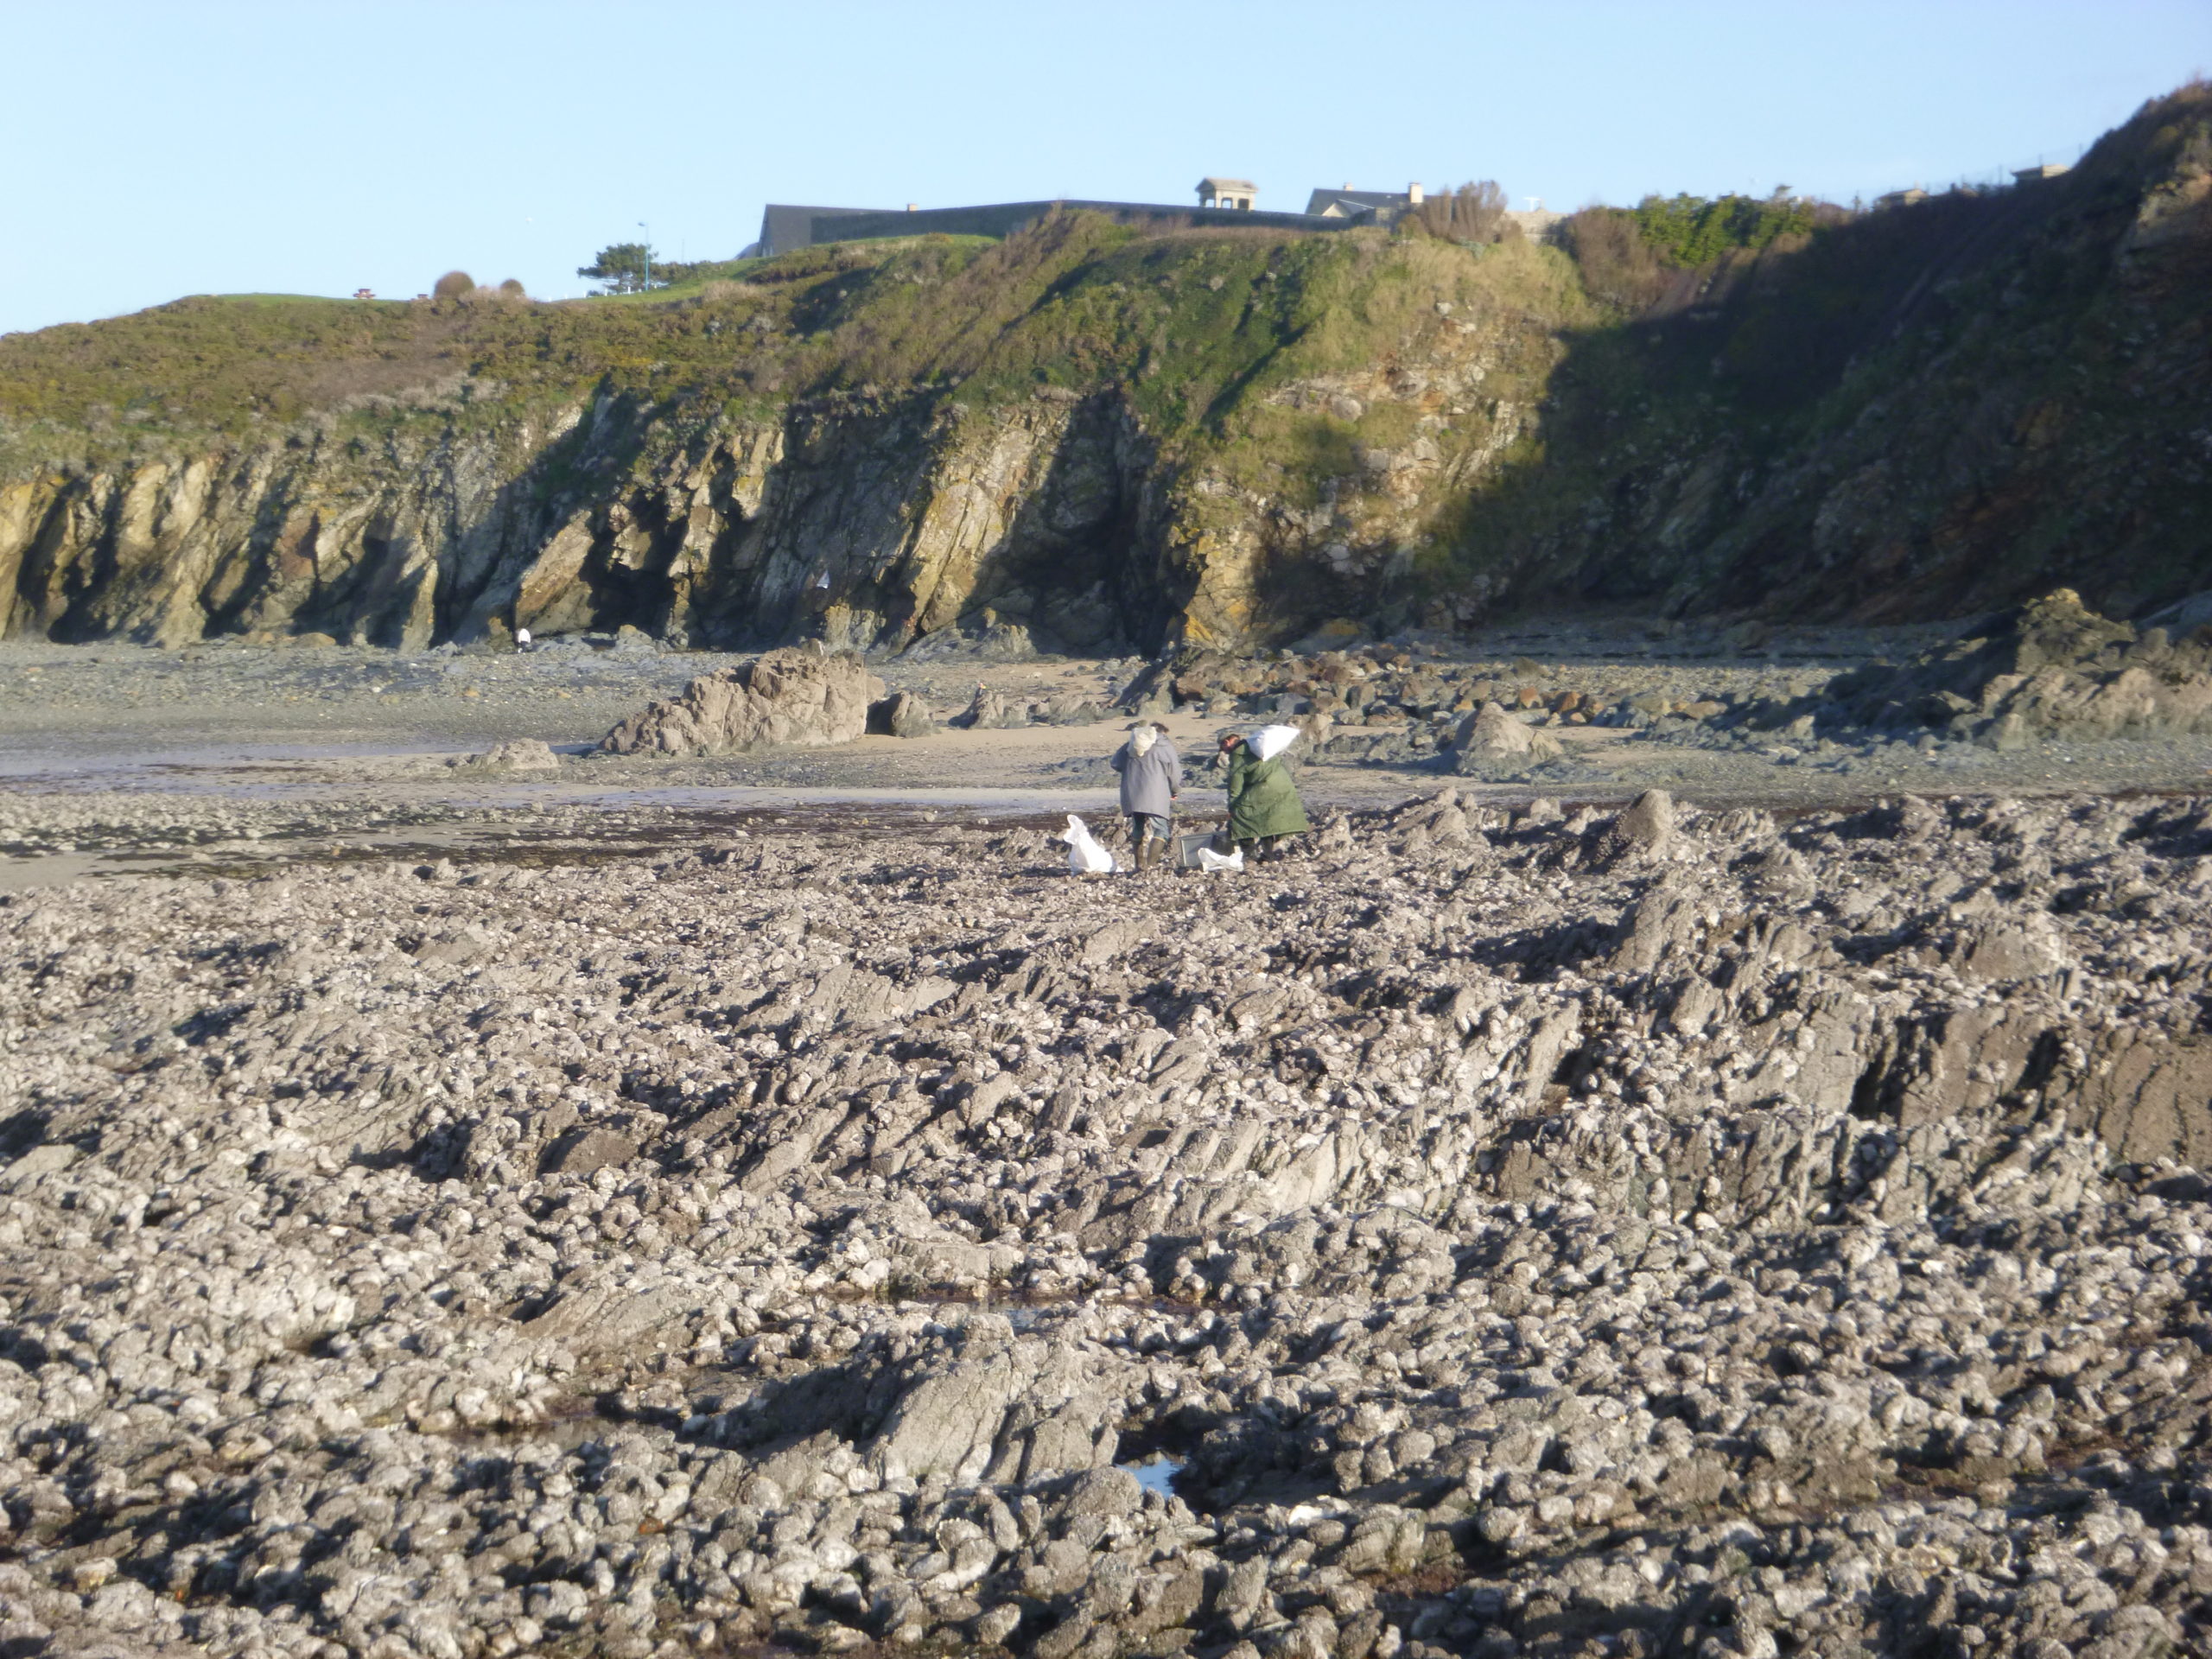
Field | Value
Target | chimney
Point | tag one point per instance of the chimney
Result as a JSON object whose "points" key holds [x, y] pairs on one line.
{"points": [[1413, 194]]}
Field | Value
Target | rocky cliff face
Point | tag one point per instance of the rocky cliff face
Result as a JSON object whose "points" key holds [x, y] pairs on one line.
{"points": [[390, 545], [863, 521], [863, 525], [1126, 442]]}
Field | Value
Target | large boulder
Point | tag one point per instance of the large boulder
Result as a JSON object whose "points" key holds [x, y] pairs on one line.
{"points": [[1645, 830], [988, 711], [900, 714], [802, 698], [1490, 736]]}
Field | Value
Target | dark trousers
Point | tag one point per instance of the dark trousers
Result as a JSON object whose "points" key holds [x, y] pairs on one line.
{"points": [[1142, 824]]}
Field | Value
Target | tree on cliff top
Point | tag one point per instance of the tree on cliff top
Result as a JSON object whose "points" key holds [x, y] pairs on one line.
{"points": [[624, 267], [454, 285]]}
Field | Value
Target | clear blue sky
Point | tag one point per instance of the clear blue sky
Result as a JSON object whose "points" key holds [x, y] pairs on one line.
{"points": [[158, 149]]}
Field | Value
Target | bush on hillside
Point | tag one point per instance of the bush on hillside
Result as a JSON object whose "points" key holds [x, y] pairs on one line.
{"points": [[1619, 266], [513, 289], [1694, 231], [1473, 212], [454, 285], [1632, 256]]}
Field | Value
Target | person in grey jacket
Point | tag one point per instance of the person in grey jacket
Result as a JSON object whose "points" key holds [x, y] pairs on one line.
{"points": [[1152, 776]]}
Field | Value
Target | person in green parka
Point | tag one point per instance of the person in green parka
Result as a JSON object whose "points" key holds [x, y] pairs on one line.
{"points": [[1263, 805]]}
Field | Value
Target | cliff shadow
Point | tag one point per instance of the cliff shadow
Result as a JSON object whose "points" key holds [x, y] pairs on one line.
{"points": [[1840, 421], [1069, 564], [879, 528]]}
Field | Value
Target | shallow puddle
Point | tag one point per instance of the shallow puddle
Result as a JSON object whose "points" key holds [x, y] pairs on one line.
{"points": [[1156, 1473]]}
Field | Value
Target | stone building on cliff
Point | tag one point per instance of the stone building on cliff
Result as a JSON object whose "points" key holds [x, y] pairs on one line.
{"points": [[1221, 200]]}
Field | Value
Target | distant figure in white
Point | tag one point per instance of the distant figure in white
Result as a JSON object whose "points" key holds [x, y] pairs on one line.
{"points": [[1151, 778], [522, 636]]}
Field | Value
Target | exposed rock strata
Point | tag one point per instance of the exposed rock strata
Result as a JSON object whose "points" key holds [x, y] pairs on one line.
{"points": [[1919, 414], [1688, 1233], [859, 527], [795, 698]]}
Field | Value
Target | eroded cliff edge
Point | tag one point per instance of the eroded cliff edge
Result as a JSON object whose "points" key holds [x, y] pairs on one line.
{"points": [[1130, 440]]}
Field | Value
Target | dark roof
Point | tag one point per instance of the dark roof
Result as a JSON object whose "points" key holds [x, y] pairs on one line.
{"points": [[1357, 200]]}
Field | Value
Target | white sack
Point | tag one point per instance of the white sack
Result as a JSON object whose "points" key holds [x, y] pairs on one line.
{"points": [[1085, 855], [1210, 860], [1271, 740]]}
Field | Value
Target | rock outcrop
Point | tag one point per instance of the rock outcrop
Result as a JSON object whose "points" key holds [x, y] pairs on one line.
{"points": [[2049, 668], [1794, 1240], [798, 698], [517, 755], [901, 715], [1490, 736]]}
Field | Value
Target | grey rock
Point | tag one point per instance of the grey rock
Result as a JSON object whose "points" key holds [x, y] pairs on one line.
{"points": [[800, 697], [1491, 735], [900, 714], [742, 1246]]}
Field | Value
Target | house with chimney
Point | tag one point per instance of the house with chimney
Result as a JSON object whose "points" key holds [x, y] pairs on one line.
{"points": [[1388, 207]]}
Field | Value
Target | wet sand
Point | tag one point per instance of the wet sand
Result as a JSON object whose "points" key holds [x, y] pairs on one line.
{"points": [[118, 757]]}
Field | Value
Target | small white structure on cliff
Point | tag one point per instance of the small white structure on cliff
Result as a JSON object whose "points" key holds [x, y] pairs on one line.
{"points": [[1239, 194]]}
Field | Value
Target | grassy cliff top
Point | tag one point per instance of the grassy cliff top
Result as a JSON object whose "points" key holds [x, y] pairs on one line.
{"points": [[1768, 304], [1192, 323]]}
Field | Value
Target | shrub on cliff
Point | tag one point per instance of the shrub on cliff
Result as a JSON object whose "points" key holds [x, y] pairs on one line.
{"points": [[454, 285], [1619, 266], [1473, 212], [1632, 256], [1694, 231]]}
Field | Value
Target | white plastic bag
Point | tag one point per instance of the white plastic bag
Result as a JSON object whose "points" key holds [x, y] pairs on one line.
{"points": [[1085, 855], [1271, 740], [1210, 860]]}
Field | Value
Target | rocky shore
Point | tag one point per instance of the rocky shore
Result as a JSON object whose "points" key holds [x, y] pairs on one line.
{"points": [[1660, 1231]]}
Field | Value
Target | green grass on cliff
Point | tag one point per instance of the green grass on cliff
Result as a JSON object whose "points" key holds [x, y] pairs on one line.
{"points": [[1199, 326]]}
